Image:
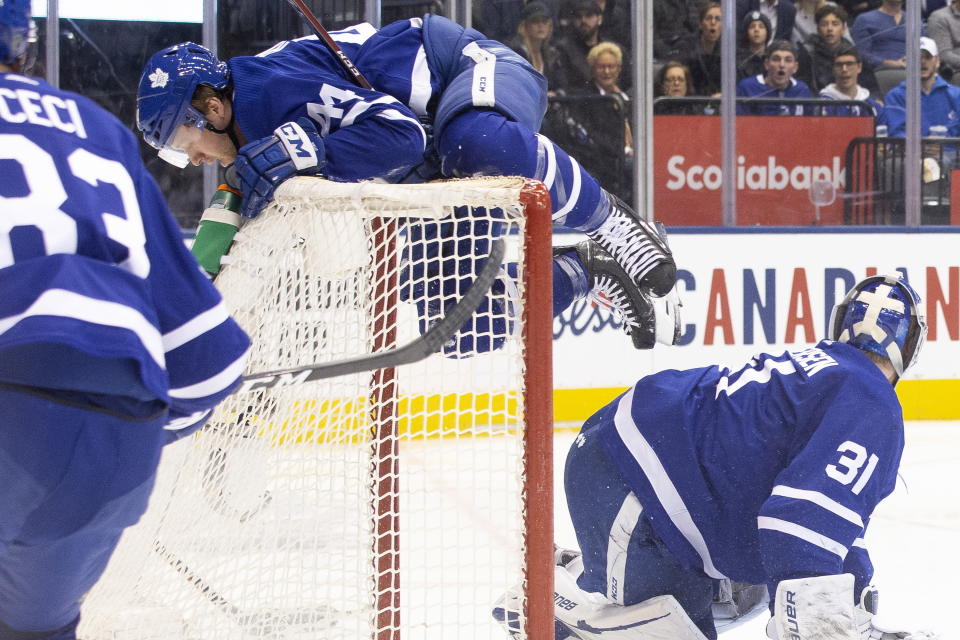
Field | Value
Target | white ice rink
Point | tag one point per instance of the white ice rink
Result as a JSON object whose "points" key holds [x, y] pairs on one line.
{"points": [[913, 536]]}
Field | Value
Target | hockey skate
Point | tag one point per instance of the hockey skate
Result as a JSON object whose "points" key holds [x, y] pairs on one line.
{"points": [[639, 247], [611, 287]]}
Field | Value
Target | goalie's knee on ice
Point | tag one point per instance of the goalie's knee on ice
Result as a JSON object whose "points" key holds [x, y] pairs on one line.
{"points": [[479, 142]]}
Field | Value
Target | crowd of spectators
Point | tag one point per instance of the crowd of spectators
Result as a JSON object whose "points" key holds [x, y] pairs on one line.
{"points": [[852, 51]]}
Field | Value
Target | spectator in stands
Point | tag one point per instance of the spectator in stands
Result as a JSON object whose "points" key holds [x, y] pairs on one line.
{"points": [[675, 27], [780, 66], [615, 26], [881, 36], [817, 57], [805, 23], [939, 100], [755, 36], [606, 63], [609, 146], [532, 41], [928, 7], [943, 26], [582, 35], [674, 80], [855, 7], [847, 65], [704, 61], [498, 19], [781, 14]]}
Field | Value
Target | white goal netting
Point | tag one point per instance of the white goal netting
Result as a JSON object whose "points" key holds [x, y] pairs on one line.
{"points": [[387, 504]]}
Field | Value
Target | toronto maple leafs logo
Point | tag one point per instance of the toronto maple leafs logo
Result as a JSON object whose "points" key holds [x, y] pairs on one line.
{"points": [[158, 79]]}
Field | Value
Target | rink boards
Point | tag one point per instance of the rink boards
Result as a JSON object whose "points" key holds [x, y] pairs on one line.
{"points": [[750, 290]]}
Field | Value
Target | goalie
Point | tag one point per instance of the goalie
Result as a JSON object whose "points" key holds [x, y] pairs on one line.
{"points": [[481, 102], [766, 475]]}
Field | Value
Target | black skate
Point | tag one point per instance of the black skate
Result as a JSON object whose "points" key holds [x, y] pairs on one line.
{"points": [[639, 247], [611, 287]]}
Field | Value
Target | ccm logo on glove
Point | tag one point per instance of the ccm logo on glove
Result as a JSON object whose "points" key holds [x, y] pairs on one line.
{"points": [[297, 143]]}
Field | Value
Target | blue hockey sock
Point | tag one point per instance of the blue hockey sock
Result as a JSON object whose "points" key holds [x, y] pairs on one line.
{"points": [[478, 142], [570, 281], [578, 201]]}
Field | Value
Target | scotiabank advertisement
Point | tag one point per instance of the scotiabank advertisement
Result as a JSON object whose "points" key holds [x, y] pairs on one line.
{"points": [[779, 160], [748, 292]]}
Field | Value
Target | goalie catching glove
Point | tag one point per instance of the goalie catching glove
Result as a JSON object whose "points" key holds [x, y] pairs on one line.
{"points": [[823, 607], [295, 148]]}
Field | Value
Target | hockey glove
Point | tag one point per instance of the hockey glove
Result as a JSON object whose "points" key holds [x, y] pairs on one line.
{"points": [[823, 607], [295, 148]]}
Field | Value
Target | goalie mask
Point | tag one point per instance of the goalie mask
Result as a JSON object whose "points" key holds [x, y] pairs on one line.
{"points": [[882, 315], [16, 30], [166, 87]]}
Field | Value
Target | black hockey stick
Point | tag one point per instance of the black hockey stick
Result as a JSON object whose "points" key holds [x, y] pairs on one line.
{"points": [[414, 351], [270, 622], [307, 15]]}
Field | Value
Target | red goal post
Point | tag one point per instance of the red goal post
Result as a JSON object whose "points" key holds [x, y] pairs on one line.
{"points": [[392, 504]]}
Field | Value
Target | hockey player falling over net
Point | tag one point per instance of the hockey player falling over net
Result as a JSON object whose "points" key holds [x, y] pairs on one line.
{"points": [[766, 475], [293, 110], [110, 340]]}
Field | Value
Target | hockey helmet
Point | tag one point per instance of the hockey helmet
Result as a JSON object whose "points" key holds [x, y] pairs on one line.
{"points": [[166, 88], [16, 29], [881, 314]]}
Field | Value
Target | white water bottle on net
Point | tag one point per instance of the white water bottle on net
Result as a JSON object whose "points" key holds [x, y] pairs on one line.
{"points": [[393, 504]]}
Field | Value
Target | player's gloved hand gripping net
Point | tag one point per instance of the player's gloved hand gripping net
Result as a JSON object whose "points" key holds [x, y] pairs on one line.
{"points": [[295, 148]]}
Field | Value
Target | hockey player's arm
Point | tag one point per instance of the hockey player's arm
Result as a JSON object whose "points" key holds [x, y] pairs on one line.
{"points": [[822, 500], [204, 348], [295, 148], [858, 563], [377, 137], [812, 526], [351, 135]]}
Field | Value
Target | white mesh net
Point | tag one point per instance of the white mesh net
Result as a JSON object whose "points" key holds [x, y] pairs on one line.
{"points": [[383, 504]]}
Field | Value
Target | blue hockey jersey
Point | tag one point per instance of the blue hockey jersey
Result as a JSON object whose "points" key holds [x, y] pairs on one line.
{"points": [[98, 293], [366, 134], [756, 87], [766, 473], [427, 63]]}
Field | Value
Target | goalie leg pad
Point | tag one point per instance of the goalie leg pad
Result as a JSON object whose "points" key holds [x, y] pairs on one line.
{"points": [[590, 616]]}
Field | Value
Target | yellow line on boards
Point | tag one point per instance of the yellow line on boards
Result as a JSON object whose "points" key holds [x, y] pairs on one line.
{"points": [[921, 400]]}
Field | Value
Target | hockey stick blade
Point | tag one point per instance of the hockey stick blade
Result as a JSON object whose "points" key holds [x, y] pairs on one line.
{"points": [[414, 351], [269, 622]]}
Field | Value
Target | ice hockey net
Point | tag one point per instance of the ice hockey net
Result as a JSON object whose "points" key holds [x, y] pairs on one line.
{"points": [[396, 504]]}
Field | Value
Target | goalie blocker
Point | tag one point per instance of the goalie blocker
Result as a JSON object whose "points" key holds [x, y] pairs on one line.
{"points": [[823, 607]]}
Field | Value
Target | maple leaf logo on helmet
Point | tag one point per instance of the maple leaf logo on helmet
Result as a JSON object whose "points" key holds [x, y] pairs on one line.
{"points": [[159, 78]]}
